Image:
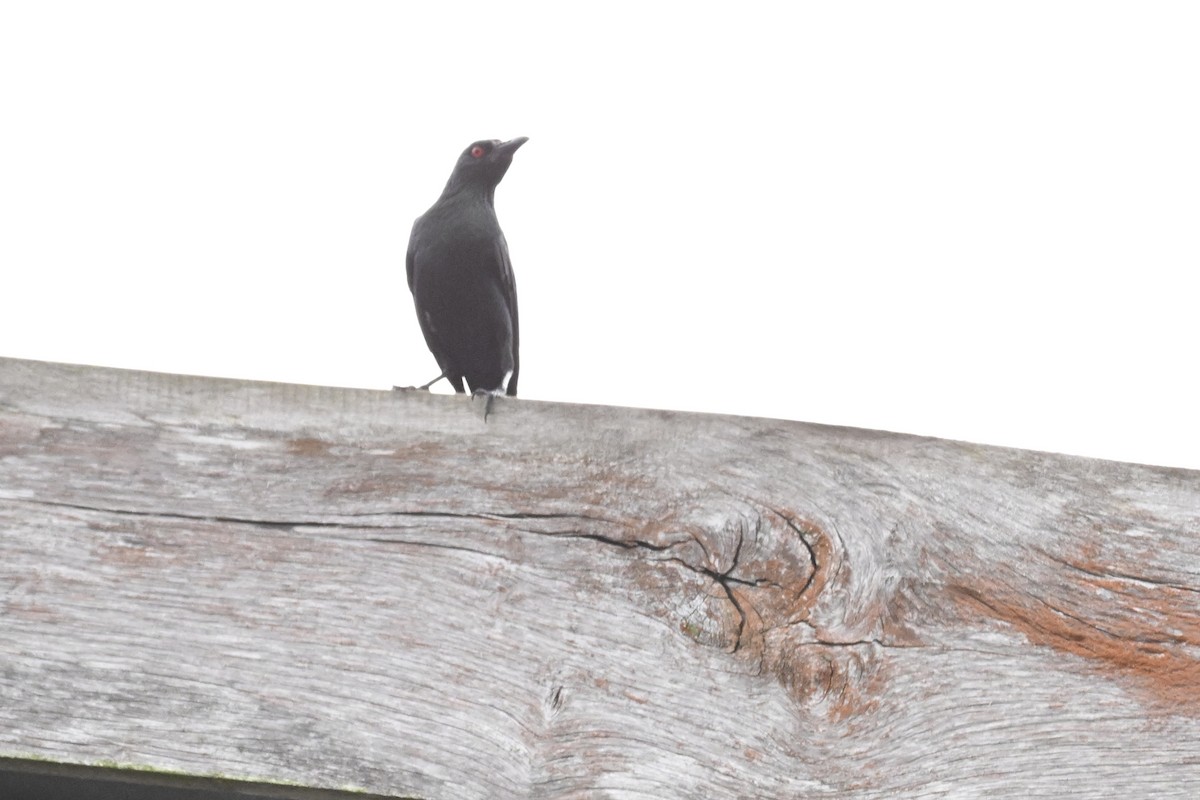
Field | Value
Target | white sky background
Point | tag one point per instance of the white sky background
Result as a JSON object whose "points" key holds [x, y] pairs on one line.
{"points": [[961, 219]]}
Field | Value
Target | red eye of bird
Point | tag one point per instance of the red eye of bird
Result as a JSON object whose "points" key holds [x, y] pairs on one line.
{"points": [[477, 152]]}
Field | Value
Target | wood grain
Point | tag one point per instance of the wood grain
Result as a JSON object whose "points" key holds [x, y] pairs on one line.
{"points": [[348, 588]]}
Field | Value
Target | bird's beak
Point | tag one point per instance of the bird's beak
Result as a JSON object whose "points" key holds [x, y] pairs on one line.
{"points": [[510, 147]]}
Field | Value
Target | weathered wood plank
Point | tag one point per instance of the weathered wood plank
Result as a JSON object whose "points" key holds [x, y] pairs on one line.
{"points": [[355, 588]]}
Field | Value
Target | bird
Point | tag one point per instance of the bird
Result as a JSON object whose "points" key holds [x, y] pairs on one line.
{"points": [[461, 277]]}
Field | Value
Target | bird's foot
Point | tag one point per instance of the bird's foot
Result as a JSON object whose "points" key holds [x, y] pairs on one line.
{"points": [[422, 388], [487, 398]]}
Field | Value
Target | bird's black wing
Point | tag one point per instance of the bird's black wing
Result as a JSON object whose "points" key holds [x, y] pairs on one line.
{"points": [[412, 249], [508, 288]]}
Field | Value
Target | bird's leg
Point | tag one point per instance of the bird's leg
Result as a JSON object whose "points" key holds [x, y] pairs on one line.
{"points": [[424, 388], [432, 382]]}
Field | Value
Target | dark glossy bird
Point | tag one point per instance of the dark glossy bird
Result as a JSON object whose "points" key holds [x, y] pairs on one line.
{"points": [[461, 277]]}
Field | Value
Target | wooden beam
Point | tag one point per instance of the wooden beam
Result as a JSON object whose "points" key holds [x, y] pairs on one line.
{"points": [[344, 588]]}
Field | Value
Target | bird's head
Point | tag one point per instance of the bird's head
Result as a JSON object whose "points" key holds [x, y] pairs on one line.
{"points": [[483, 164]]}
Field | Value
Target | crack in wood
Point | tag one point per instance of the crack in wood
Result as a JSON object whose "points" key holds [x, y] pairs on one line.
{"points": [[812, 553], [1115, 575], [724, 578]]}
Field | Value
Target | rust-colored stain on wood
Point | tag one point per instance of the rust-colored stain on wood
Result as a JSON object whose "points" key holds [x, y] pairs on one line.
{"points": [[1149, 636], [307, 447]]}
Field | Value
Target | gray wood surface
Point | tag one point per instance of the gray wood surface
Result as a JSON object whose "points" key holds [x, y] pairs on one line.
{"points": [[350, 588]]}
